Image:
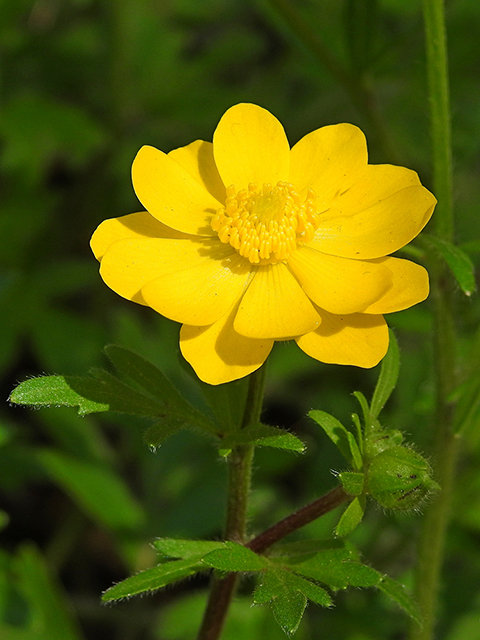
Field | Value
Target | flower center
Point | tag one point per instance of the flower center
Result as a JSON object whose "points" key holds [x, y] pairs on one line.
{"points": [[265, 225]]}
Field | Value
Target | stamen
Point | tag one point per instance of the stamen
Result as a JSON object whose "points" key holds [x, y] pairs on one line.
{"points": [[266, 225]]}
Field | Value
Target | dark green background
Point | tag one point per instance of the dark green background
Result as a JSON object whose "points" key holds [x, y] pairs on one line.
{"points": [[83, 85]]}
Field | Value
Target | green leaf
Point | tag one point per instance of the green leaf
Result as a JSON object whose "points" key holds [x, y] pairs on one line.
{"points": [[263, 435], [339, 435], [90, 394], [399, 594], [335, 568], [155, 383], [235, 557], [458, 261], [173, 548], [351, 517], [156, 435], [154, 578], [288, 596], [352, 482], [388, 377], [98, 491]]}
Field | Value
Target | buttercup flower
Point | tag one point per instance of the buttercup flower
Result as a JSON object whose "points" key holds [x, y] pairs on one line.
{"points": [[246, 241]]}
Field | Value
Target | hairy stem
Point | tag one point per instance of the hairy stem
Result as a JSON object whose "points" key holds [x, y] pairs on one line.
{"points": [[298, 519], [240, 472]]}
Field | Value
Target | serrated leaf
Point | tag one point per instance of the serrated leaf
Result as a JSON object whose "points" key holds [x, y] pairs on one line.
{"points": [[337, 433], [89, 394], [263, 435], [235, 557], [388, 377], [351, 518], [154, 382], [156, 435], [154, 578], [96, 489], [399, 594], [458, 261], [172, 548]]}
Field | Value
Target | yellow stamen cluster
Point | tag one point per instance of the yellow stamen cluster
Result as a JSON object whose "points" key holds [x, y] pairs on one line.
{"points": [[265, 225]]}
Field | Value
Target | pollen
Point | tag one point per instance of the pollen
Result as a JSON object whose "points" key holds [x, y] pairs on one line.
{"points": [[265, 225]]}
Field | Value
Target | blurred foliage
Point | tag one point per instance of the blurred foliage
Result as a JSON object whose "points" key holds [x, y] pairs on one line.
{"points": [[85, 83]]}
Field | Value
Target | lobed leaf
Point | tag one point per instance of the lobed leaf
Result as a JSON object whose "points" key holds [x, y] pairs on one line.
{"points": [[263, 435], [155, 383], [288, 594], [173, 548], [235, 557], [90, 394]]}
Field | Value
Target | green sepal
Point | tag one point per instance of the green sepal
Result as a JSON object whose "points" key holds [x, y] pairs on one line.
{"points": [[457, 260], [351, 517], [288, 595], [235, 557], [154, 578], [388, 377], [263, 435], [352, 482], [343, 439]]}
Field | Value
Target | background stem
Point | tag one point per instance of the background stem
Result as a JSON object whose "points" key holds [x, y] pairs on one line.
{"points": [[431, 547]]}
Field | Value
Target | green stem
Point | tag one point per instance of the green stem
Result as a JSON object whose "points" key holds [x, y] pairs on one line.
{"points": [[240, 472], [431, 547]]}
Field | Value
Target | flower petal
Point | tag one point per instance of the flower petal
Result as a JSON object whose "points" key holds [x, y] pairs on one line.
{"points": [[378, 182], [377, 231], [129, 264], [339, 285], [410, 286], [171, 194], [356, 339], [134, 225], [250, 145], [197, 159], [203, 293], [328, 160], [219, 354], [275, 306]]}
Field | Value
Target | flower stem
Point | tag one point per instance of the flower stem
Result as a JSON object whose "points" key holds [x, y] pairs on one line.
{"points": [[431, 547], [240, 471], [298, 519]]}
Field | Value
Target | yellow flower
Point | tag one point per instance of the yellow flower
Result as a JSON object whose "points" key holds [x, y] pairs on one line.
{"points": [[246, 241]]}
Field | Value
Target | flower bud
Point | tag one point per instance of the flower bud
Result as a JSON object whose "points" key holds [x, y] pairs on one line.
{"points": [[399, 478]]}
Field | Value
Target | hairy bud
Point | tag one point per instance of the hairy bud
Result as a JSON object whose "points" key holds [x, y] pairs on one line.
{"points": [[399, 478]]}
